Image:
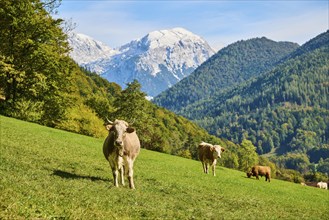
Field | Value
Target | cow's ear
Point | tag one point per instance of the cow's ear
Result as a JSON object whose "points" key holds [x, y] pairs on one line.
{"points": [[212, 148], [108, 127], [130, 130], [222, 149]]}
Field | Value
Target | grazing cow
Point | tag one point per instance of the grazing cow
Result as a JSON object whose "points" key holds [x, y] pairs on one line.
{"points": [[208, 155], [322, 185], [120, 148], [260, 171]]}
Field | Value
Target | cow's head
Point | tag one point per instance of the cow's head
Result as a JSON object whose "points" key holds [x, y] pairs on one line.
{"points": [[217, 150], [119, 129], [249, 174]]}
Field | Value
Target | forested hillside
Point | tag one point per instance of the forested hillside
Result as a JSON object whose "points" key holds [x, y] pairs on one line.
{"points": [[232, 65], [284, 110]]}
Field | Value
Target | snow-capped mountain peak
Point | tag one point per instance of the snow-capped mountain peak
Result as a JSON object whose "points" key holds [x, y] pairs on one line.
{"points": [[158, 60], [85, 49], [170, 37]]}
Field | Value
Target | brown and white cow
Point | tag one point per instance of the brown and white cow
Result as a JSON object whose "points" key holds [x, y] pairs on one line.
{"points": [[120, 148], [208, 155], [260, 171]]}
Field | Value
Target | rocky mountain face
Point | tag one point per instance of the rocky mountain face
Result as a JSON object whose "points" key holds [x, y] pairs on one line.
{"points": [[158, 60]]}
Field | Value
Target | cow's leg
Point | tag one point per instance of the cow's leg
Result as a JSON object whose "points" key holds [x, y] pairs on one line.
{"points": [[114, 168], [131, 174], [115, 176], [206, 170], [213, 169], [204, 167], [121, 170], [257, 176]]}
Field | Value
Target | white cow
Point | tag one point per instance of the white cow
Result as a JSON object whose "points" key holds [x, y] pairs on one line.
{"points": [[322, 185]]}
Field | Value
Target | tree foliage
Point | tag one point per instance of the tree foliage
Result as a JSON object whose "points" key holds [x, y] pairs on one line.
{"points": [[34, 46], [247, 155]]}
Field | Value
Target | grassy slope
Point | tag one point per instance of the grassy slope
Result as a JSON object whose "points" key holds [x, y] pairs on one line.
{"points": [[49, 173]]}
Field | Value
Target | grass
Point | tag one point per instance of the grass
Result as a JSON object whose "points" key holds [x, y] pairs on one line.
{"points": [[52, 174]]}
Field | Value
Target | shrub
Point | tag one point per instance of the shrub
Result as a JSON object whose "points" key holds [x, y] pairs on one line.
{"points": [[27, 110], [81, 119]]}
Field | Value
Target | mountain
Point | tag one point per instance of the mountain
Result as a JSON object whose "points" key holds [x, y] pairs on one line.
{"points": [[230, 66], [283, 110], [158, 60], [85, 50]]}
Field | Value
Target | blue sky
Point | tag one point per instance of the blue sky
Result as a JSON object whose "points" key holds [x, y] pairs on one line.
{"points": [[219, 22]]}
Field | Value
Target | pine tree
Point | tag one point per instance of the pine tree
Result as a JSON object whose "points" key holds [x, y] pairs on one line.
{"points": [[133, 107], [131, 103]]}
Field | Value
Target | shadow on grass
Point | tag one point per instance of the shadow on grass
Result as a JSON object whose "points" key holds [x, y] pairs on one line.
{"points": [[67, 175], [254, 178]]}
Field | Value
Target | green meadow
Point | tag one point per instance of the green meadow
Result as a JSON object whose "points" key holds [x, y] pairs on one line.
{"points": [[47, 173]]}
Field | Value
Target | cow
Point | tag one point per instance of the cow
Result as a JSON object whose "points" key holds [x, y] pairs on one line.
{"points": [[120, 148], [260, 171], [322, 185], [208, 155]]}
